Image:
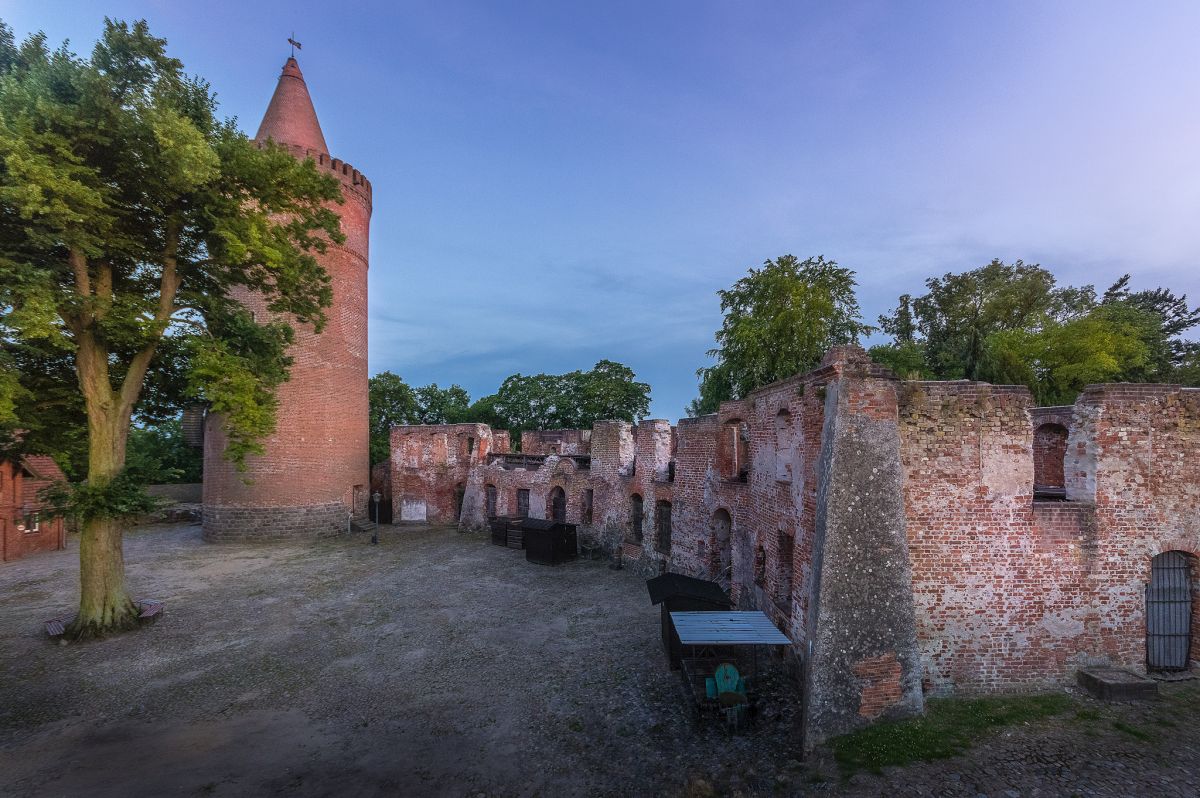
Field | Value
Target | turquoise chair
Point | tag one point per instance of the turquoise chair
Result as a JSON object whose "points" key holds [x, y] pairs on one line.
{"points": [[728, 680]]}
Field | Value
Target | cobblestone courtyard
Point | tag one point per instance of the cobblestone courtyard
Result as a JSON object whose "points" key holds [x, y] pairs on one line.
{"points": [[437, 664]]}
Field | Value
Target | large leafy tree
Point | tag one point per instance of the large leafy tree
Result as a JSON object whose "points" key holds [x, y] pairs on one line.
{"points": [[1013, 324], [391, 402], [779, 320], [1057, 361], [437, 405], [957, 315], [574, 400], [131, 220]]}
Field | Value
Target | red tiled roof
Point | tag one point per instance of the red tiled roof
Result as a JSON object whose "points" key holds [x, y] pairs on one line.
{"points": [[43, 466], [43, 471]]}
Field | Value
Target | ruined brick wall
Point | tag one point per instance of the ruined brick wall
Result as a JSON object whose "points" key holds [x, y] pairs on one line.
{"points": [[1014, 593], [315, 470], [979, 564], [772, 550], [431, 466], [613, 453], [1134, 456], [538, 474]]}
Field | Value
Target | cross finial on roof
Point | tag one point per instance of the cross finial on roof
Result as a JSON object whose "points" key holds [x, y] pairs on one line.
{"points": [[295, 44]]}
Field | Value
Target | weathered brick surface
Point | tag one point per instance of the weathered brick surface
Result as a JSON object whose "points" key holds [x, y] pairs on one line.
{"points": [[880, 677], [1013, 593], [318, 454], [431, 466]]}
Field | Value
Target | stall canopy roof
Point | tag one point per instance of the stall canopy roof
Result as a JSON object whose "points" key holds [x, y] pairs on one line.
{"points": [[727, 629], [677, 585]]}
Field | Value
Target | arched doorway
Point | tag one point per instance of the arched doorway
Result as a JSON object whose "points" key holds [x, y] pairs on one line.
{"points": [[557, 505], [460, 493], [722, 547], [1169, 612]]}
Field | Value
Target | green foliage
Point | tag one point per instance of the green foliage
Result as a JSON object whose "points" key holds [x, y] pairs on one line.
{"points": [[948, 728], [954, 320], [159, 455], [905, 359], [574, 400], [1013, 324], [124, 496], [392, 402], [130, 219], [442, 405], [779, 321], [1058, 361]]}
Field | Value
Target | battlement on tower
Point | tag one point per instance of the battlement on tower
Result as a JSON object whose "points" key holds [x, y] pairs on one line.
{"points": [[350, 177]]}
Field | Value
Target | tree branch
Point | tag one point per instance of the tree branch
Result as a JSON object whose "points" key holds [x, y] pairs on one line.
{"points": [[131, 387]]}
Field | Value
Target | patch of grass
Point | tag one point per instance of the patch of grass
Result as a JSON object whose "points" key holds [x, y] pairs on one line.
{"points": [[948, 727], [1133, 731], [1087, 714], [575, 725]]}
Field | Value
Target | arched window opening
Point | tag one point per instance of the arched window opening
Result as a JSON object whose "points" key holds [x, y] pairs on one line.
{"points": [[662, 527], [783, 446], [1049, 453], [733, 451], [635, 518], [490, 500], [556, 505], [1170, 599], [523, 503]]}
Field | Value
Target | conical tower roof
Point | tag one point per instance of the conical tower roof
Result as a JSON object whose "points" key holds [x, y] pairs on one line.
{"points": [[291, 118]]}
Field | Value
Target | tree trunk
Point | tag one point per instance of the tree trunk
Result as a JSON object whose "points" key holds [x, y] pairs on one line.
{"points": [[104, 606]]}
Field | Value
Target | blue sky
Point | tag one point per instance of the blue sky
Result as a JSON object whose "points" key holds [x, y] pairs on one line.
{"points": [[561, 182]]}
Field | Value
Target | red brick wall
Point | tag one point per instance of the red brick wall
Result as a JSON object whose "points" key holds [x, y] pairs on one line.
{"points": [[431, 464], [19, 496], [1135, 454], [1013, 593]]}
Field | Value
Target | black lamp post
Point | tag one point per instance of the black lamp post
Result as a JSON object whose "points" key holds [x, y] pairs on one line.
{"points": [[375, 497]]}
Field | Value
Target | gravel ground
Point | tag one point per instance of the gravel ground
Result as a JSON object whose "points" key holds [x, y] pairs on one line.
{"points": [[437, 664], [433, 664]]}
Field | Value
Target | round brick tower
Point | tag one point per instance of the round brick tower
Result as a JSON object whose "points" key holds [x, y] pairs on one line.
{"points": [[315, 470]]}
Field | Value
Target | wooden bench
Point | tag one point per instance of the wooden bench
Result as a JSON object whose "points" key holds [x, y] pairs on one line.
{"points": [[148, 612]]}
